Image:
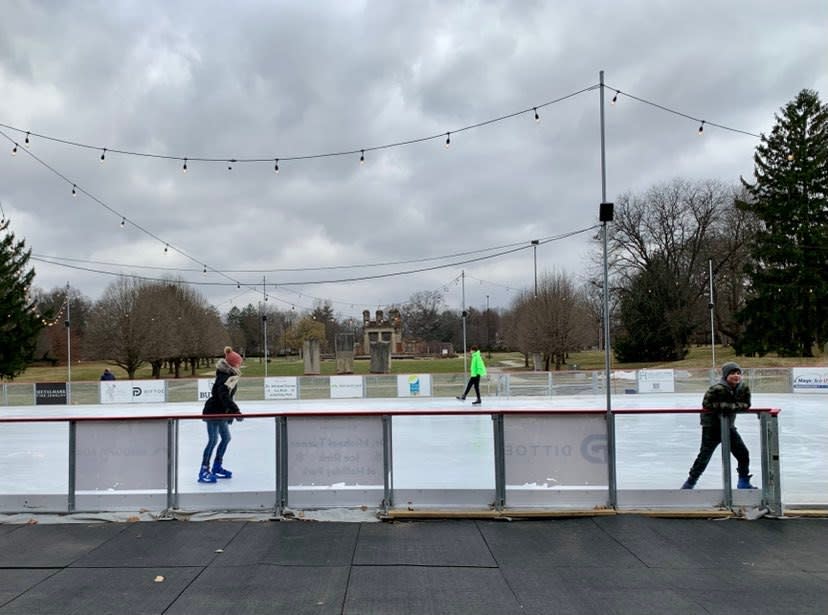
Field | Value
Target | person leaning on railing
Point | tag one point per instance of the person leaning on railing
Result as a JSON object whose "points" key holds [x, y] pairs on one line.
{"points": [[725, 398]]}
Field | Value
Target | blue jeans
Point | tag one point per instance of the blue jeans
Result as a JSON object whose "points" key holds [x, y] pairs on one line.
{"points": [[215, 429]]}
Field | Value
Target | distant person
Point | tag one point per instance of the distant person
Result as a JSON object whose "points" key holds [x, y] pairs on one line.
{"points": [[107, 375], [725, 398], [220, 402], [477, 369]]}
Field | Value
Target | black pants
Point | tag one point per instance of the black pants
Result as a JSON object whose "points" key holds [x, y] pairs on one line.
{"points": [[474, 381], [710, 439]]}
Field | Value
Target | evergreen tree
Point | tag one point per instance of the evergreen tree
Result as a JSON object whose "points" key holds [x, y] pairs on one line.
{"points": [[20, 323], [649, 308], [785, 310]]}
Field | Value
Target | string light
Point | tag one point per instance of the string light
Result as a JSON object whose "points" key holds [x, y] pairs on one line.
{"points": [[14, 150], [74, 190], [205, 270], [184, 166], [123, 222], [276, 166], [103, 154], [448, 139], [701, 128], [166, 248], [362, 156], [230, 164], [537, 117], [27, 137], [615, 98]]}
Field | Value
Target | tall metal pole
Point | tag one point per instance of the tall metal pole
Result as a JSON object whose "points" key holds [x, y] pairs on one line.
{"points": [[68, 348], [463, 304], [264, 321], [488, 340], [711, 306], [613, 495], [535, 243]]}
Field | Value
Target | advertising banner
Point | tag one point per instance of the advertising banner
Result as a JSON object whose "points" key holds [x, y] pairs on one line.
{"points": [[133, 391], [332, 450], [50, 393], [414, 385], [656, 381], [281, 387], [205, 386], [346, 387], [117, 456], [810, 379], [556, 450]]}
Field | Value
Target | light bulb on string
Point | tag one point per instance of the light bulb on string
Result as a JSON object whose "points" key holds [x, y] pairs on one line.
{"points": [[184, 166], [166, 248], [615, 98], [701, 128], [27, 137], [205, 270], [537, 117], [362, 156], [123, 222], [276, 165], [230, 164], [238, 284], [448, 139], [74, 190], [14, 150], [103, 154]]}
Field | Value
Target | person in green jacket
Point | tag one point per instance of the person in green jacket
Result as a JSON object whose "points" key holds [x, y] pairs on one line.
{"points": [[477, 369]]}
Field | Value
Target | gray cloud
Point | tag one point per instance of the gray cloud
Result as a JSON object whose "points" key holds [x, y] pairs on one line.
{"points": [[284, 79]]}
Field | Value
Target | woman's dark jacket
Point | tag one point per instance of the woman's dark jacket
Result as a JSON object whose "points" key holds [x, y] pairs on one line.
{"points": [[721, 398], [223, 391]]}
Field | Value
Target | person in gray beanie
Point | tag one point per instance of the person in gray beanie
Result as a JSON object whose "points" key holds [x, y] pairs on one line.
{"points": [[725, 398]]}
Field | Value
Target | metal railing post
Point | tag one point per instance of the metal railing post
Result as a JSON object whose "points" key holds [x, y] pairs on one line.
{"points": [[172, 473], [499, 461], [281, 465], [771, 476], [387, 469], [70, 496], [725, 423]]}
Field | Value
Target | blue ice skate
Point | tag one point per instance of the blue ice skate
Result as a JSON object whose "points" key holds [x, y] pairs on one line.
{"points": [[220, 472], [205, 476]]}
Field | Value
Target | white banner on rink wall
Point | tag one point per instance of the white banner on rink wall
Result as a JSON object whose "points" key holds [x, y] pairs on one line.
{"points": [[205, 387], [656, 381], [346, 386], [810, 379], [281, 387], [123, 455], [133, 391], [331, 450], [556, 450], [414, 385]]}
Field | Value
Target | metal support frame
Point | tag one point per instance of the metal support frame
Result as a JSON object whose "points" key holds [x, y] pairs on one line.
{"points": [[771, 475], [499, 461], [172, 461], [281, 465], [70, 496], [387, 466], [725, 423]]}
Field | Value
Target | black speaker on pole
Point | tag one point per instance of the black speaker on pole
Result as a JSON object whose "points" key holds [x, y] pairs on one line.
{"points": [[605, 213]]}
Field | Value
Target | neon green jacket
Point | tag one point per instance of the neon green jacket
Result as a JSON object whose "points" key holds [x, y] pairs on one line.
{"points": [[477, 368]]}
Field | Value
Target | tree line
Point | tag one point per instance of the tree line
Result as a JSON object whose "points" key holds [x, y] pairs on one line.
{"points": [[765, 242]]}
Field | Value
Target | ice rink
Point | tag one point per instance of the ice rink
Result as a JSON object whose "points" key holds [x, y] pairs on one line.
{"points": [[654, 451]]}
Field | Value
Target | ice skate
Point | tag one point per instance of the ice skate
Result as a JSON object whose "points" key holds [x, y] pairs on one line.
{"points": [[205, 476], [220, 472]]}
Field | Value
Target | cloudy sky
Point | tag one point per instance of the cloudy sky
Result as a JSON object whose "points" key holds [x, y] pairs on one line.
{"points": [[313, 83]]}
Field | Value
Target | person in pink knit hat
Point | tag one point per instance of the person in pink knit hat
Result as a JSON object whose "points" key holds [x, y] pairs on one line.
{"points": [[228, 372]]}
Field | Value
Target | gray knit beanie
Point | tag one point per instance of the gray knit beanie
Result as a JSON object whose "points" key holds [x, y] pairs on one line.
{"points": [[727, 368]]}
